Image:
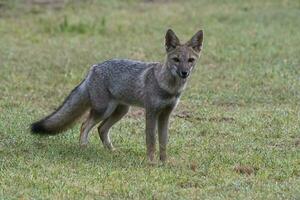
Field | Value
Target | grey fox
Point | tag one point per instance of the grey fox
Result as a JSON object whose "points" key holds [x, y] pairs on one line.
{"points": [[112, 86]]}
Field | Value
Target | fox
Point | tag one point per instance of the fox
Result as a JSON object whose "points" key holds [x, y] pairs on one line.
{"points": [[111, 87]]}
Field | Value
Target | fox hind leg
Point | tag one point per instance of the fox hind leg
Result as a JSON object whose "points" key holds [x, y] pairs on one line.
{"points": [[92, 119], [104, 127], [95, 116]]}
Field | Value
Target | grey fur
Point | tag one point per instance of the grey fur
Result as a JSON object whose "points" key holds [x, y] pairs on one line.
{"points": [[114, 85]]}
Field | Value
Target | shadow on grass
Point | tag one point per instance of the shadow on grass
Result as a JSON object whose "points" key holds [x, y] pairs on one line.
{"points": [[60, 149], [64, 149]]}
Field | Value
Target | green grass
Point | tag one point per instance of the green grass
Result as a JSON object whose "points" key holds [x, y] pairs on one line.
{"points": [[241, 108]]}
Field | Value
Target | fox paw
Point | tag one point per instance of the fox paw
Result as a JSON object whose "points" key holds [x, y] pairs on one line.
{"points": [[109, 147], [152, 162], [83, 145]]}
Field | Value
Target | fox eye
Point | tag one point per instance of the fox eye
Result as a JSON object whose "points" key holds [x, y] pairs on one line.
{"points": [[175, 59], [190, 60]]}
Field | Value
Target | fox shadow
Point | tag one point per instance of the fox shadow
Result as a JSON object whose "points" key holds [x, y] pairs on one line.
{"points": [[68, 150]]}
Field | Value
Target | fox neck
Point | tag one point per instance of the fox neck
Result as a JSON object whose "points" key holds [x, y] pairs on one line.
{"points": [[168, 81]]}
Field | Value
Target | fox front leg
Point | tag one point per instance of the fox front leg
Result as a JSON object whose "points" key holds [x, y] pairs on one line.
{"points": [[163, 124], [151, 123]]}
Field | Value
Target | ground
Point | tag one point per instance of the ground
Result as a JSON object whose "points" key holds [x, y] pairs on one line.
{"points": [[234, 135]]}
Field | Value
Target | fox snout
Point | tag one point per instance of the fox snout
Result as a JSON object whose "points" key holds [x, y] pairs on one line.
{"points": [[183, 73]]}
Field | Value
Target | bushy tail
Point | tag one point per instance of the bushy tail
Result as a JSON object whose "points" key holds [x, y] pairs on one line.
{"points": [[72, 108]]}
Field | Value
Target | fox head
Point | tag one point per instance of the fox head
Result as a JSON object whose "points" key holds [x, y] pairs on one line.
{"points": [[181, 58]]}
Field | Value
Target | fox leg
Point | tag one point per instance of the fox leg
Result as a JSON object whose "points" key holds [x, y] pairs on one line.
{"points": [[163, 122], [97, 114], [104, 127], [151, 124], [86, 126]]}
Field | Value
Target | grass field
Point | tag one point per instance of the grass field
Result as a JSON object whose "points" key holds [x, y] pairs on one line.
{"points": [[235, 134]]}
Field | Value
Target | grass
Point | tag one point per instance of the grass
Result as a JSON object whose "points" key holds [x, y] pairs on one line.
{"points": [[235, 134]]}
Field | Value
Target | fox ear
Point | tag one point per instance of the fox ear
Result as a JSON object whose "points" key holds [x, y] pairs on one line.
{"points": [[196, 41], [172, 40]]}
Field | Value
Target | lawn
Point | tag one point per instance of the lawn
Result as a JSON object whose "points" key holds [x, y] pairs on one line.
{"points": [[234, 135]]}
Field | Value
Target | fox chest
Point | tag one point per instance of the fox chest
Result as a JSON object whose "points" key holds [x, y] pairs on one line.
{"points": [[162, 103]]}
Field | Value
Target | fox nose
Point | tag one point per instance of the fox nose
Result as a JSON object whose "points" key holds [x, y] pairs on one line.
{"points": [[184, 74]]}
